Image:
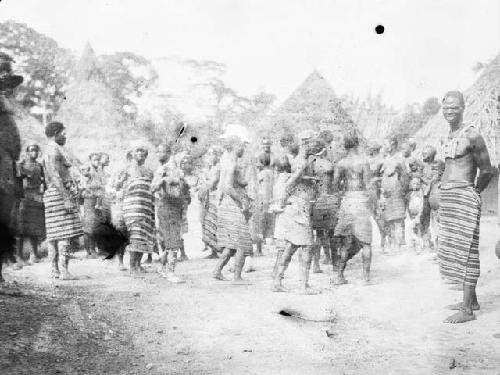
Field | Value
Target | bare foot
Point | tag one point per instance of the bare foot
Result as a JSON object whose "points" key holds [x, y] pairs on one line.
{"points": [[241, 281], [212, 256], [317, 270], [326, 261], [367, 282], [340, 281], [309, 291], [16, 266], [121, 267], [280, 289], [67, 276], [218, 276], [460, 317], [34, 259], [183, 258], [174, 279], [249, 269], [460, 306]]}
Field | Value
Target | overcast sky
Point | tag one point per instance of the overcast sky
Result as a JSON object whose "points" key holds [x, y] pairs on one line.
{"points": [[428, 46]]}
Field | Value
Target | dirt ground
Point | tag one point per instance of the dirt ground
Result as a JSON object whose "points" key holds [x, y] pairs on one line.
{"points": [[110, 323]]}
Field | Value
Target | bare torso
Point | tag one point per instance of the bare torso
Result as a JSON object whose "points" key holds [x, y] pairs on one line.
{"points": [[323, 169], [354, 172]]}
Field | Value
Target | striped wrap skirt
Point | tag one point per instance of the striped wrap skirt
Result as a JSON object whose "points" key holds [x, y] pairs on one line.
{"points": [[458, 245], [169, 222], [354, 217], [61, 224], [232, 228], [138, 214], [209, 220]]}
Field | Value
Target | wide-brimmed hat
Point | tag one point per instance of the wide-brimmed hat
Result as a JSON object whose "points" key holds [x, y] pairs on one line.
{"points": [[7, 79]]}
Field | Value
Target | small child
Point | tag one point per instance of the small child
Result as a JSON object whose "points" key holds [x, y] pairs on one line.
{"points": [[284, 169], [415, 200]]}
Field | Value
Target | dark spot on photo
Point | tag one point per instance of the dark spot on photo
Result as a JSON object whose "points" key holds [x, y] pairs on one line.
{"points": [[194, 139], [379, 29]]}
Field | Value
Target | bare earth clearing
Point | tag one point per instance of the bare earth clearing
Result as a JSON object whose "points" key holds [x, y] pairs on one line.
{"points": [[113, 324]]}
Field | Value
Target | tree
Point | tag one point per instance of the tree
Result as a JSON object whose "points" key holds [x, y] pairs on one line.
{"points": [[45, 66], [129, 76], [431, 107]]}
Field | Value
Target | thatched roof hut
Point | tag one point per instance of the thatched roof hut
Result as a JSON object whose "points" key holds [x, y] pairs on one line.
{"points": [[93, 115], [313, 105]]}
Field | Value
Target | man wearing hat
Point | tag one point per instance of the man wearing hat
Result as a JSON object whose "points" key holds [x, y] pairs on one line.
{"points": [[10, 148], [61, 210]]}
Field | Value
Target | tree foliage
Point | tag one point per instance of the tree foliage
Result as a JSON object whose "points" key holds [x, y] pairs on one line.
{"points": [[45, 66], [129, 76]]}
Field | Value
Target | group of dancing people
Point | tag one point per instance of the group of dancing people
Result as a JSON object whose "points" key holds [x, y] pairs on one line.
{"points": [[299, 194]]}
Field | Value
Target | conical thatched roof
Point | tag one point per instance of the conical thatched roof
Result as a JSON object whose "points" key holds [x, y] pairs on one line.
{"points": [[92, 115], [313, 105], [87, 68], [480, 110]]}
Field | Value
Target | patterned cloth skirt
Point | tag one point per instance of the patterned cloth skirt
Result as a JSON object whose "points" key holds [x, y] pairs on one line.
{"points": [[92, 217], [262, 222], [458, 245], [31, 218], [209, 220], [294, 223], [232, 228], [60, 223], [324, 212], [168, 214], [394, 207], [354, 217], [138, 214]]}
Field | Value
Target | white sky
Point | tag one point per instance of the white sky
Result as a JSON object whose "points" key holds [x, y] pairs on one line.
{"points": [[428, 46]]}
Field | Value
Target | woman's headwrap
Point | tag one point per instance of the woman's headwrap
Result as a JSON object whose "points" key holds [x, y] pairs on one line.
{"points": [[32, 144], [138, 144]]}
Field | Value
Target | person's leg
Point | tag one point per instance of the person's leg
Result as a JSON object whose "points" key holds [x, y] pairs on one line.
{"points": [[239, 263], [221, 263], [183, 256], [367, 260], [324, 236], [35, 243], [334, 251], [64, 257], [172, 262], [308, 254], [120, 254], [53, 258], [466, 310], [133, 262], [316, 252], [344, 257], [19, 251], [399, 229], [290, 249]]}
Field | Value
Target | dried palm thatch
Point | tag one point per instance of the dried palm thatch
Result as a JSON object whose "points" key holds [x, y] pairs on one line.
{"points": [[93, 116], [313, 105], [481, 110]]}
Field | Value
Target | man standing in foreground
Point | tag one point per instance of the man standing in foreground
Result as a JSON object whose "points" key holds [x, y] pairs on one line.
{"points": [[467, 173]]}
